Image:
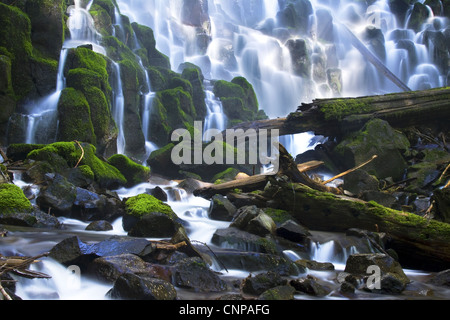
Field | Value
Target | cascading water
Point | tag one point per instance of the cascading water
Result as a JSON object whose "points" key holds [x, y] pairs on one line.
{"points": [[245, 41], [42, 114]]}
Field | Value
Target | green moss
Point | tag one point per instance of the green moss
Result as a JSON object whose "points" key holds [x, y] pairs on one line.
{"points": [[225, 89], [340, 108], [82, 79], [102, 18], [105, 174], [251, 100], [88, 59], [87, 172], [15, 37], [133, 172], [75, 117], [19, 151], [143, 204], [279, 216], [12, 199]]}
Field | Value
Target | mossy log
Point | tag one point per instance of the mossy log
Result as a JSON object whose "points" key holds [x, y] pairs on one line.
{"points": [[335, 117], [420, 243]]}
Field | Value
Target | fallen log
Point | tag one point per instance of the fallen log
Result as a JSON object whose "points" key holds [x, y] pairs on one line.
{"points": [[420, 243], [336, 117]]}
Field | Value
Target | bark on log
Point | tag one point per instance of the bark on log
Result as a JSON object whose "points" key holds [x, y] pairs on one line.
{"points": [[335, 117]]}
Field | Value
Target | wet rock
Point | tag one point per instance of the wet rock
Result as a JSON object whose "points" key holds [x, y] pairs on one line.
{"points": [[58, 196], [254, 220], [147, 216], [110, 268], [256, 285], [376, 138], [74, 251], [442, 200], [193, 273], [300, 57], [158, 193], [347, 287], [392, 276], [256, 261], [441, 279], [358, 181], [130, 286], [292, 231], [389, 284], [100, 225], [241, 240], [315, 265], [221, 208], [278, 293], [311, 286]]}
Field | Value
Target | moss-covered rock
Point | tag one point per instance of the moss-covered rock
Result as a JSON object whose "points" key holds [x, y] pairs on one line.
{"points": [[60, 156], [13, 200], [238, 100], [376, 138], [132, 171], [15, 38], [146, 37], [194, 75], [75, 117], [147, 216]]}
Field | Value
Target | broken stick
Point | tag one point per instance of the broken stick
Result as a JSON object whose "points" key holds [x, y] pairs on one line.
{"points": [[350, 171]]}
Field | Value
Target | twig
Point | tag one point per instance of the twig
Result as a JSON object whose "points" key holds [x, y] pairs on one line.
{"points": [[82, 154], [4, 293], [350, 171]]}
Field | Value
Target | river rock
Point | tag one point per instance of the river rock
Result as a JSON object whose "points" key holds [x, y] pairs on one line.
{"points": [[130, 286], [393, 279], [311, 286], [441, 279], [193, 273], [221, 208], [58, 196], [73, 250], [256, 285], [278, 293], [241, 240], [376, 138], [254, 220], [293, 231], [99, 225], [315, 265]]}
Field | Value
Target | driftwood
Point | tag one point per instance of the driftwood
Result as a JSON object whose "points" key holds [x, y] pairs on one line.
{"points": [[19, 266], [336, 117]]}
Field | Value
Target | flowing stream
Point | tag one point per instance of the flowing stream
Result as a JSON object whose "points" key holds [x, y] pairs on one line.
{"points": [[243, 42]]}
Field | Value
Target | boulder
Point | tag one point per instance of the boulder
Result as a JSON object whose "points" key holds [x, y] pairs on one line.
{"points": [[441, 279], [392, 277], [294, 232], [147, 216], [58, 196], [256, 285], [254, 220], [310, 285], [130, 286], [193, 273], [221, 208], [376, 138], [100, 225], [278, 293], [442, 201]]}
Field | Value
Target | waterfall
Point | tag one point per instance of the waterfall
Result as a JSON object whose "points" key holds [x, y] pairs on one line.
{"points": [[118, 109], [246, 39]]}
